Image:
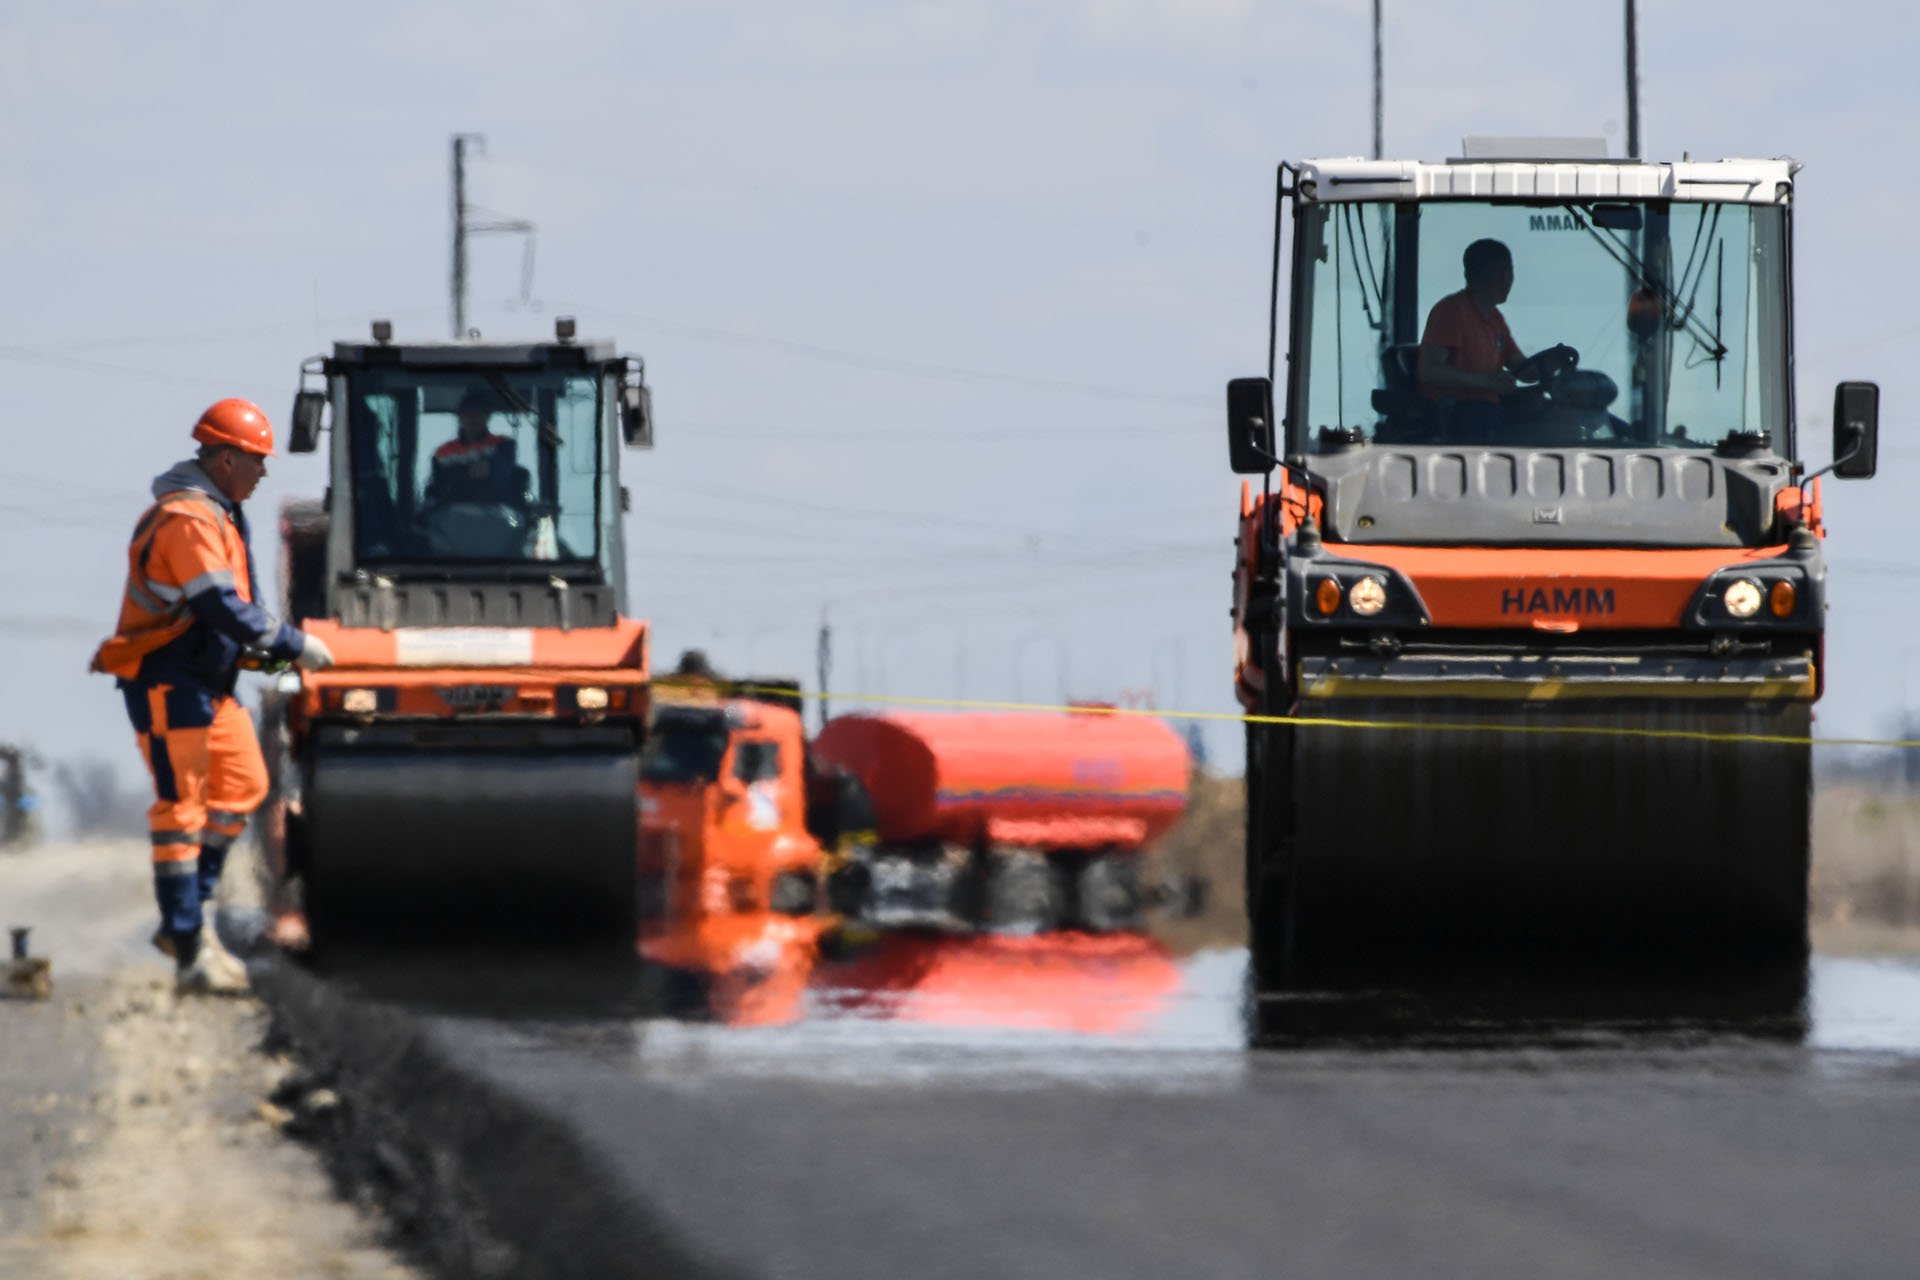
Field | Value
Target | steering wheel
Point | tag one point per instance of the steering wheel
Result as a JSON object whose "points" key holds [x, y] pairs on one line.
{"points": [[1545, 367]]}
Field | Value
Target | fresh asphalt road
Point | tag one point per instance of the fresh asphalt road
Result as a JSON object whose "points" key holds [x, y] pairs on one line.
{"points": [[1124, 1128]]}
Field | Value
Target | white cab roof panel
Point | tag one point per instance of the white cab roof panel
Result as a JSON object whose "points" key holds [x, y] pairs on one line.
{"points": [[1736, 181]]}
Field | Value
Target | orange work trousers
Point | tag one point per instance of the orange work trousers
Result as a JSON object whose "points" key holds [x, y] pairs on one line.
{"points": [[208, 776]]}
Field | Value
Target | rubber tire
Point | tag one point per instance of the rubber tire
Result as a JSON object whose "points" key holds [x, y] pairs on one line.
{"points": [[1020, 893], [1108, 897]]}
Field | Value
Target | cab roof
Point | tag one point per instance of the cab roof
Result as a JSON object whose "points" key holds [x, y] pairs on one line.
{"points": [[1724, 181], [441, 355]]}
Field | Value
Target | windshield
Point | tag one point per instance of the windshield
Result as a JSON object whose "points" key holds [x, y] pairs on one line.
{"points": [[1645, 324], [475, 464], [684, 748]]}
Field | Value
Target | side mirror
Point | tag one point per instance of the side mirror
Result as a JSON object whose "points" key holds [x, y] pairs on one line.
{"points": [[303, 431], [1856, 430], [636, 407], [1250, 426]]}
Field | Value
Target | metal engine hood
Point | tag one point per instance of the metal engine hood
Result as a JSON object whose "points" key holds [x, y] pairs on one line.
{"points": [[1493, 496]]}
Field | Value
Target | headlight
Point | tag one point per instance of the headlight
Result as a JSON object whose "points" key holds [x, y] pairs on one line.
{"points": [[590, 698], [1326, 597], [1743, 598], [1367, 596], [360, 702]]}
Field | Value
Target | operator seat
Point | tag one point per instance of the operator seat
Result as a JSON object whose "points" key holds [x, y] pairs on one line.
{"points": [[1406, 416]]}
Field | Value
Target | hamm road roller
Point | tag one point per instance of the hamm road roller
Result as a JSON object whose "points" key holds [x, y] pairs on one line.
{"points": [[473, 756], [1533, 576]]}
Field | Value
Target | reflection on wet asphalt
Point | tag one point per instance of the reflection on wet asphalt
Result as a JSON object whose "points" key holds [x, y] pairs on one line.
{"points": [[1197, 1029], [1103, 1012]]}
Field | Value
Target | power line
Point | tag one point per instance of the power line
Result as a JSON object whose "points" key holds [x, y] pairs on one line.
{"points": [[962, 435], [891, 364]]}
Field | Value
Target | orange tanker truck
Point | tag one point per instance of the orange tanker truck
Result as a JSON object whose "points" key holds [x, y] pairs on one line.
{"points": [[1533, 583], [957, 823], [474, 751], [1006, 821]]}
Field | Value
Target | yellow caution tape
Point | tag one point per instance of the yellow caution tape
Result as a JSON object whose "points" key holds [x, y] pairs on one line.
{"points": [[1331, 722]]}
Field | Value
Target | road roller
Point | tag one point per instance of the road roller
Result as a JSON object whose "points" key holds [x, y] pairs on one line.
{"points": [[471, 761], [1529, 587]]}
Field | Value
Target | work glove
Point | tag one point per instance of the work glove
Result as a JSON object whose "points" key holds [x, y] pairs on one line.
{"points": [[314, 654]]}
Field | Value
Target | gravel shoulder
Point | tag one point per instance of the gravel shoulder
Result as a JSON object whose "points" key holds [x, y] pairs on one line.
{"points": [[146, 1147]]}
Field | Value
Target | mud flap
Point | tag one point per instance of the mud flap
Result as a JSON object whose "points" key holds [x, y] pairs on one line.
{"points": [[1410, 853]]}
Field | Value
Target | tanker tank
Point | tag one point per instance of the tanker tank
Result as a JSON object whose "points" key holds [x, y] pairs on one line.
{"points": [[1009, 822]]}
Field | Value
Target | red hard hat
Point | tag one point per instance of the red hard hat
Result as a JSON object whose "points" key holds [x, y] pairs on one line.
{"points": [[239, 423]]}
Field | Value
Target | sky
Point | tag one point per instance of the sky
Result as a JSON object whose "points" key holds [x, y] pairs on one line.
{"points": [[937, 299]]}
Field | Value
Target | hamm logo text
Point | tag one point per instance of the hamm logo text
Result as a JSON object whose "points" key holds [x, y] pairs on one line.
{"points": [[1587, 601]]}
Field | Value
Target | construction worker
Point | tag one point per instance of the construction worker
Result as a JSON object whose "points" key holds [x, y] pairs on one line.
{"points": [[187, 619]]}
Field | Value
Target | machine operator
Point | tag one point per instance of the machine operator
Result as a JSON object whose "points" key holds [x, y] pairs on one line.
{"points": [[477, 465], [1467, 353]]}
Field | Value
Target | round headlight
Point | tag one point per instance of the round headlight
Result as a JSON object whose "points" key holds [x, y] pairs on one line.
{"points": [[1743, 598], [1367, 596]]}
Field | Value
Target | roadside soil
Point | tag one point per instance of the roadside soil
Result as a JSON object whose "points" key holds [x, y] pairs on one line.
{"points": [[147, 1149]]}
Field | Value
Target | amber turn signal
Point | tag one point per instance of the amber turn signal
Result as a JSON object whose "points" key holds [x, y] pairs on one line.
{"points": [[1326, 596], [1782, 599]]}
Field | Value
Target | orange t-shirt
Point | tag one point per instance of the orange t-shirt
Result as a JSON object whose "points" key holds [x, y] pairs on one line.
{"points": [[1479, 344]]}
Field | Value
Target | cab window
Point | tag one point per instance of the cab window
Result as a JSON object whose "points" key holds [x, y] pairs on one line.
{"points": [[756, 761]]}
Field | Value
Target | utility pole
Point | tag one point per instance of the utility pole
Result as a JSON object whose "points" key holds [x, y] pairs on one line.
{"points": [[1633, 83], [464, 227], [458, 285], [1379, 78], [823, 653]]}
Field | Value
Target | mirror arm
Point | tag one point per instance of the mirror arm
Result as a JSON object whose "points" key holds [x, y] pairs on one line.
{"points": [[1848, 456]]}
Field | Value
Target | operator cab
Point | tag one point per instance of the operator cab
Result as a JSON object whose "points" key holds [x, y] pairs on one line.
{"points": [[493, 466], [1646, 305], [1539, 347]]}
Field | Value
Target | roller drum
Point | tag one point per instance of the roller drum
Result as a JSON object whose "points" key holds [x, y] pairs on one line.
{"points": [[520, 837], [1405, 853]]}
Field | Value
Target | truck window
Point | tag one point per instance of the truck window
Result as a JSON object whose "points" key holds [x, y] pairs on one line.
{"points": [[756, 761], [684, 750]]}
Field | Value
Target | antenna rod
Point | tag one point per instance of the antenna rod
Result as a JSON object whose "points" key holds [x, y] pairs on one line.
{"points": [[1633, 83], [1379, 128]]}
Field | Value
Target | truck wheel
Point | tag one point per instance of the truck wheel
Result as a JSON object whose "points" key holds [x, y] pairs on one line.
{"points": [[1020, 894], [1108, 895]]}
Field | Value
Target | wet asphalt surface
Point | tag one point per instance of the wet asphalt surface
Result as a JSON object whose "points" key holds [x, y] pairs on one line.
{"points": [[984, 1110]]}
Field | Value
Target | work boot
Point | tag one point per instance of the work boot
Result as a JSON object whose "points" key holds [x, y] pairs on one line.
{"points": [[209, 941], [206, 976], [205, 966], [214, 955]]}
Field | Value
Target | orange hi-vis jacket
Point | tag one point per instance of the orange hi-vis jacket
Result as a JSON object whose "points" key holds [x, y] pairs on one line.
{"points": [[188, 611]]}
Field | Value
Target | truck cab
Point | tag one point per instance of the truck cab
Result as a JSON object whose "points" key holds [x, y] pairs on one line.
{"points": [[723, 810]]}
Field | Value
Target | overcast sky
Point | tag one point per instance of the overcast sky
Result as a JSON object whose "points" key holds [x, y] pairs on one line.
{"points": [[937, 298]]}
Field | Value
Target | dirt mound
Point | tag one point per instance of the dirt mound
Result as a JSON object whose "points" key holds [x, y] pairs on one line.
{"points": [[1866, 868], [1207, 844]]}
